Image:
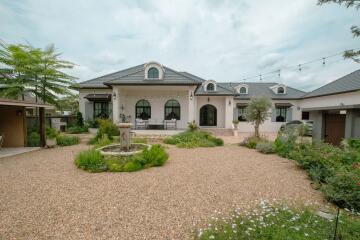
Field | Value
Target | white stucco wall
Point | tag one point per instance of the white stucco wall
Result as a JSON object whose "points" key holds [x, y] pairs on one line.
{"points": [[216, 101], [84, 103], [337, 100], [157, 97], [269, 125]]}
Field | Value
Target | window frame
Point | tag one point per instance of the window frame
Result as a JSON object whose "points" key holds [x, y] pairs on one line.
{"points": [[140, 110], [283, 90], [151, 71], [213, 87], [104, 109], [243, 88], [279, 113], [240, 113], [176, 107]]}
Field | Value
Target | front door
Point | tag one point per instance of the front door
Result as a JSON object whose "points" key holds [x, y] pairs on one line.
{"points": [[208, 115], [334, 128]]}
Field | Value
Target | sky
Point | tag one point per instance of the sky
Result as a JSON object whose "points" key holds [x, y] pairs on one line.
{"points": [[227, 41]]}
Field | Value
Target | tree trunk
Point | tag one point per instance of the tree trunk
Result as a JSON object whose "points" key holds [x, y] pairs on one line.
{"points": [[257, 130]]}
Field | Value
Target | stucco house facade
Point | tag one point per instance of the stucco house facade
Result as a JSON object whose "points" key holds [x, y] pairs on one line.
{"points": [[155, 93]]}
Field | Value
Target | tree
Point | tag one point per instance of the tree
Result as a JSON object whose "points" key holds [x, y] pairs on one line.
{"points": [[353, 54], [257, 112], [25, 68], [15, 70]]}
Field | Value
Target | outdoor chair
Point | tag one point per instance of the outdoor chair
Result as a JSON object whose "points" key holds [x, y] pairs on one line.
{"points": [[140, 123], [170, 124]]}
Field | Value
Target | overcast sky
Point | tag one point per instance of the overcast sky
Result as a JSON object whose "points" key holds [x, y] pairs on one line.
{"points": [[220, 40]]}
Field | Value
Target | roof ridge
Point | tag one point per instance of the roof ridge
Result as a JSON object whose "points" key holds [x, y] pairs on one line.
{"points": [[109, 81]]}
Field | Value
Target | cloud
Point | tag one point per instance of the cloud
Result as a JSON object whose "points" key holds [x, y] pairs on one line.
{"points": [[223, 40]]}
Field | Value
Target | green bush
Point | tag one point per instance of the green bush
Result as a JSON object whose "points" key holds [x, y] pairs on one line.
{"points": [[33, 139], [192, 126], [106, 126], [51, 133], [91, 160], [79, 119], [132, 166], [63, 140], [275, 221], [193, 139], [251, 142], [92, 123], [343, 189], [265, 147], [155, 156], [77, 129], [102, 141]]}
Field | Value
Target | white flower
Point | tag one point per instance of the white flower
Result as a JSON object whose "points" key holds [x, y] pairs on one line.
{"points": [[211, 237]]}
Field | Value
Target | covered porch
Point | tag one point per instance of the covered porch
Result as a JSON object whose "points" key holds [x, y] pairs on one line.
{"points": [[154, 107]]}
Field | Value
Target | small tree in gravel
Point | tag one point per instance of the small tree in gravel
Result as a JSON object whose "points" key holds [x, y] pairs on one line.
{"points": [[257, 112]]}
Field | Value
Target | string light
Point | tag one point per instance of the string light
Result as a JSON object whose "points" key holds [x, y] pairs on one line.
{"points": [[298, 67]]}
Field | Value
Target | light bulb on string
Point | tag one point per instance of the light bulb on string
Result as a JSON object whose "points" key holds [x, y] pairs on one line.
{"points": [[323, 62], [300, 68]]}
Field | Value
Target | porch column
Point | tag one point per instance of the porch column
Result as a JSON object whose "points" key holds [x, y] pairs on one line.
{"points": [[191, 101], [229, 105], [116, 105], [42, 126]]}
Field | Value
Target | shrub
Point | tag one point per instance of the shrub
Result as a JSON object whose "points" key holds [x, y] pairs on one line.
{"points": [[193, 139], [79, 119], [251, 142], [343, 189], [155, 156], [192, 126], [51, 133], [63, 140], [33, 139], [90, 160], [93, 123], [275, 221], [132, 166], [102, 141], [107, 127], [77, 129], [265, 147]]}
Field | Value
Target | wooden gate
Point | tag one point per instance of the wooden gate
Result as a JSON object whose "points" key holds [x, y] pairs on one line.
{"points": [[334, 128]]}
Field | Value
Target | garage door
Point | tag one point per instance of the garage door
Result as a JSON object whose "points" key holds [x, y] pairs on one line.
{"points": [[334, 128]]}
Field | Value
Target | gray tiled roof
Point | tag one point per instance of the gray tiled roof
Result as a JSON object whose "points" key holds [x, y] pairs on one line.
{"points": [[255, 89], [350, 82]]}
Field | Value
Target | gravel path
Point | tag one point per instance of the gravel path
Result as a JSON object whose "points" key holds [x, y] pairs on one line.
{"points": [[44, 196]]}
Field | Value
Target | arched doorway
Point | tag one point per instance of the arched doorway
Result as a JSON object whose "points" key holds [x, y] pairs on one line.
{"points": [[208, 115]]}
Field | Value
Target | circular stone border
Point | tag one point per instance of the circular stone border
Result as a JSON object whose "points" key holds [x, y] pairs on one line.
{"points": [[121, 153]]}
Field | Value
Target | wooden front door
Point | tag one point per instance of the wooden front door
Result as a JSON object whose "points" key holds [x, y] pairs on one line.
{"points": [[334, 128]]}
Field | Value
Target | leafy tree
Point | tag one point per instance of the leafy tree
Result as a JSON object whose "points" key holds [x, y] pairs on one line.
{"points": [[257, 112], [69, 102], [40, 71], [353, 54]]}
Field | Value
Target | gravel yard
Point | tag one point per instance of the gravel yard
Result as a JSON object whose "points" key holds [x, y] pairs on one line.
{"points": [[44, 196]]}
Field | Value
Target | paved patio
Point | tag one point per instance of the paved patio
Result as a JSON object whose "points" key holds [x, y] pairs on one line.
{"points": [[44, 196]]}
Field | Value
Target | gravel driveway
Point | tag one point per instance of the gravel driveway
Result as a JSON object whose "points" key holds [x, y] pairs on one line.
{"points": [[44, 196]]}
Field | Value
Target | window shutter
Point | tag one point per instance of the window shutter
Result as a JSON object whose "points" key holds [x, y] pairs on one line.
{"points": [[236, 114], [289, 114], [273, 114]]}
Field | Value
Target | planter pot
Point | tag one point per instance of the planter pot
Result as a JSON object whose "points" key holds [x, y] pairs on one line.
{"points": [[93, 130], [51, 142], [236, 132]]}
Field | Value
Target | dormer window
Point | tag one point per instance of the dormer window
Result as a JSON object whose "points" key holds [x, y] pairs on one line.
{"points": [[153, 73], [153, 70], [280, 90], [210, 87], [243, 90]]}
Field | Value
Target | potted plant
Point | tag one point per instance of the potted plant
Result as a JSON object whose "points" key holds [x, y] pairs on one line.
{"points": [[51, 135], [235, 124], [93, 126]]}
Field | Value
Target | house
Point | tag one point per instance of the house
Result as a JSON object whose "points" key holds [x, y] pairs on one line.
{"points": [[13, 128], [155, 93]]}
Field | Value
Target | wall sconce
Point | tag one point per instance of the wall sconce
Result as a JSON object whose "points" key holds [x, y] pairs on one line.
{"points": [[19, 113], [208, 99], [122, 107], [114, 95], [191, 96], [229, 102]]}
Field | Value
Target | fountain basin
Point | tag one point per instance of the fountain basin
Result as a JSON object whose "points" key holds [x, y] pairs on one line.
{"points": [[119, 150]]}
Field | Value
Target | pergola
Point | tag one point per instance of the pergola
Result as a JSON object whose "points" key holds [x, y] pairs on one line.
{"points": [[13, 121]]}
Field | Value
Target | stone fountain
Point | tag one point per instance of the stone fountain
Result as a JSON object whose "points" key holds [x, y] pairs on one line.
{"points": [[126, 147]]}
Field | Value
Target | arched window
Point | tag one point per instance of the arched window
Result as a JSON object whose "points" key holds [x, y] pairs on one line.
{"points": [[153, 73], [143, 110], [172, 110], [280, 90], [243, 90], [210, 87]]}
